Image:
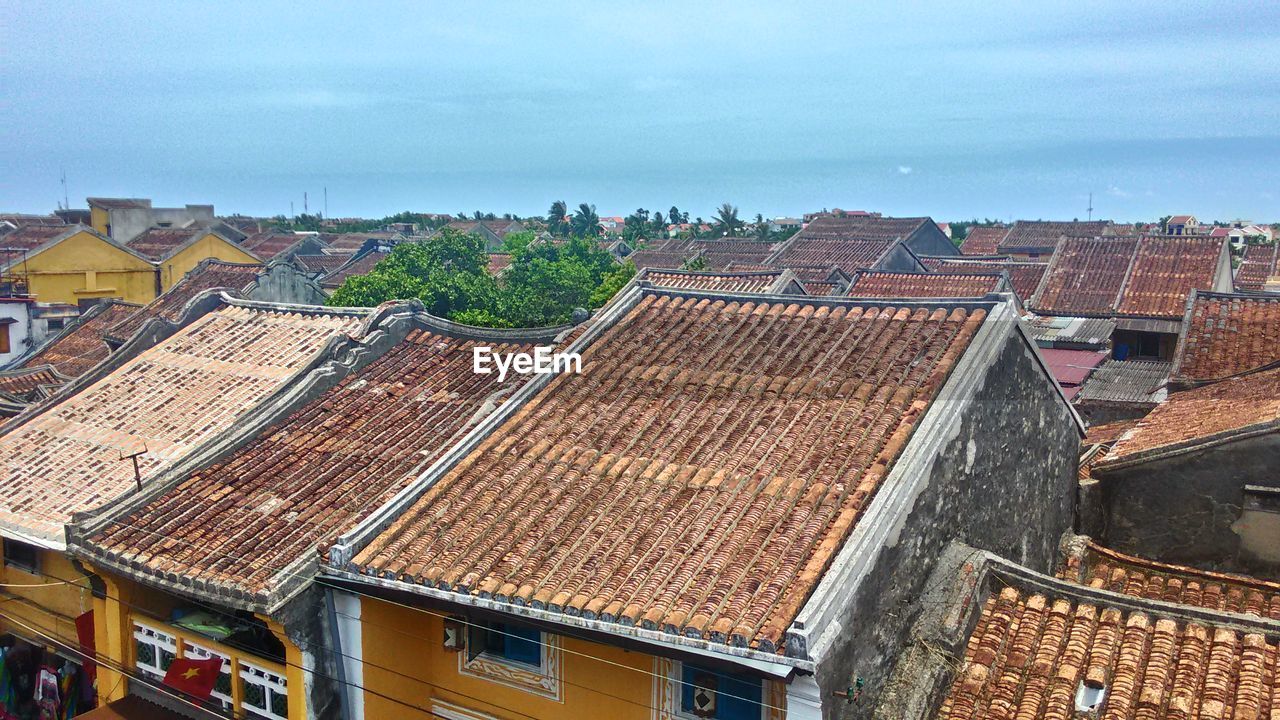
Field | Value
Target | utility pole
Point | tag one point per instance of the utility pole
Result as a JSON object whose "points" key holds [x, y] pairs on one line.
{"points": [[305, 210], [1090, 206], [326, 201], [292, 216], [66, 201]]}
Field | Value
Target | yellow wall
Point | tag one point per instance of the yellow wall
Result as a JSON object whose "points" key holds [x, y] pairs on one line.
{"points": [[408, 642], [209, 246], [50, 606], [84, 267], [113, 621], [99, 219]]}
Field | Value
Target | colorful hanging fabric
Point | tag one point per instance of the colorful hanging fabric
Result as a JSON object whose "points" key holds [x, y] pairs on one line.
{"points": [[47, 693]]}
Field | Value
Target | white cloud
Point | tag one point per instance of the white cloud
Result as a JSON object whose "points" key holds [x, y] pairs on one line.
{"points": [[1114, 191], [904, 169]]}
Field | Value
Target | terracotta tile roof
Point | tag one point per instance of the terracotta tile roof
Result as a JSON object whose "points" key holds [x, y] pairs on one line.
{"points": [[743, 282], [818, 288], [869, 283], [207, 275], [848, 255], [360, 265], [1227, 334], [1024, 275], [23, 381], [860, 227], [1127, 381], [1030, 653], [1071, 367], [1192, 417], [30, 237], [80, 346], [321, 263], [699, 474], [498, 262], [1109, 432], [353, 242], [660, 259], [158, 243], [305, 480], [1259, 263], [195, 384], [120, 203], [271, 243], [983, 240], [1043, 236], [1164, 272], [1085, 276], [1110, 570]]}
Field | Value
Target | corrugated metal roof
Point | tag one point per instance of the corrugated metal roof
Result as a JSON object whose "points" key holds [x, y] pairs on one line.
{"points": [[1054, 331], [1127, 381], [1071, 367]]}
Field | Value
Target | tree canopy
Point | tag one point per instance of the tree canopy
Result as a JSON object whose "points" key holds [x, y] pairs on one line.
{"points": [[542, 286]]}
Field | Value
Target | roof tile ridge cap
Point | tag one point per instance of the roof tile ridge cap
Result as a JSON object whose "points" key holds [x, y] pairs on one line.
{"points": [[1128, 275], [1114, 461], [1256, 582]]}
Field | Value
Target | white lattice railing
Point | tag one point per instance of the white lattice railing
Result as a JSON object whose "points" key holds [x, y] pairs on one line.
{"points": [[154, 649], [221, 691], [266, 693]]}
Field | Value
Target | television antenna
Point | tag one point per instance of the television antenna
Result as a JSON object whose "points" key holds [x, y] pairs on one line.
{"points": [[1090, 206]]}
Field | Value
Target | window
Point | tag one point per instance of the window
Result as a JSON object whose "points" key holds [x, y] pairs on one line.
{"points": [[22, 556], [4, 337], [706, 693], [514, 643]]}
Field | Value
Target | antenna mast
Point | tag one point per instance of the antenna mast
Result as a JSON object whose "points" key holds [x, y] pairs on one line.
{"points": [[326, 201], [1091, 206]]}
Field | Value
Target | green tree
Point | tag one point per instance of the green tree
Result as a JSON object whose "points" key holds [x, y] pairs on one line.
{"points": [[761, 227], [448, 273], [613, 281], [586, 223], [516, 243], [558, 218]]}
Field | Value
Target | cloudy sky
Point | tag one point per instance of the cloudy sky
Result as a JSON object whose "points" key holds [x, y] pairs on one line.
{"points": [[1009, 110]]}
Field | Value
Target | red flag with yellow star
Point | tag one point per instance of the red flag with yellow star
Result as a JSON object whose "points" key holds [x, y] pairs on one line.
{"points": [[193, 677]]}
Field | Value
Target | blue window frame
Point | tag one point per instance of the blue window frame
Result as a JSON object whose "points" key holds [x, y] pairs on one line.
{"points": [[738, 697], [516, 643]]}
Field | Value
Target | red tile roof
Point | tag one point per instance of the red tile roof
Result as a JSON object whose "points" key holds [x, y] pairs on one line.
{"points": [[66, 457], [321, 263], [360, 265], [1085, 276], [661, 259], [23, 381], [1164, 272], [30, 237], [207, 275], [1024, 276], [848, 255], [1260, 262], [983, 240], [1110, 570], [634, 493], [1226, 334], [1030, 653], [860, 227], [305, 480], [498, 262], [1043, 236], [80, 346], [1071, 367], [1110, 432], [870, 283], [271, 243], [158, 243], [740, 282], [1193, 417]]}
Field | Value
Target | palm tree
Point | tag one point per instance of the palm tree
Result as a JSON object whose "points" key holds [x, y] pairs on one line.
{"points": [[586, 223], [558, 218], [727, 222], [762, 227]]}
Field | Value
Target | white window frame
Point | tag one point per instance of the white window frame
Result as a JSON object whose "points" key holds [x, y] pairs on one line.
{"points": [[159, 640], [543, 680], [668, 677]]}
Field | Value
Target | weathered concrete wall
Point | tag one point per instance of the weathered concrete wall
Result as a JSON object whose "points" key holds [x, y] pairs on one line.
{"points": [[1102, 413], [306, 622], [1003, 481], [930, 240], [1181, 509], [281, 282], [899, 259]]}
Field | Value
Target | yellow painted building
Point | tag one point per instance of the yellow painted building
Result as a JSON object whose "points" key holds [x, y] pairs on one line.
{"points": [[75, 265], [41, 593], [176, 259], [408, 672]]}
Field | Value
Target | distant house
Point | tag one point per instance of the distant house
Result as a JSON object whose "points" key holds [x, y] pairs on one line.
{"points": [[76, 265], [785, 224], [493, 231], [1259, 263], [864, 241], [1037, 239], [123, 219], [983, 240], [1142, 283], [176, 251], [1182, 225]]}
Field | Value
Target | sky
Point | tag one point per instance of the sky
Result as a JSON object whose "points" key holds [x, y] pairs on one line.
{"points": [[1004, 110]]}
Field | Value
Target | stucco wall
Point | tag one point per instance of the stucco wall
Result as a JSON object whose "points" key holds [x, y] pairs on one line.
{"points": [[1182, 509], [1003, 481]]}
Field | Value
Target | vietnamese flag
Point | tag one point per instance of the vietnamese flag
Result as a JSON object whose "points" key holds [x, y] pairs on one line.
{"points": [[193, 677]]}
